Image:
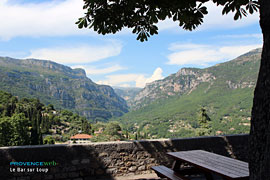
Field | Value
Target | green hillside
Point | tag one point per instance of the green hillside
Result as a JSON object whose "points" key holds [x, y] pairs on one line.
{"points": [[61, 86], [226, 93]]}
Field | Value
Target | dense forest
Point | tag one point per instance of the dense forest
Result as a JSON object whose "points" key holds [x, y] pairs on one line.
{"points": [[29, 122]]}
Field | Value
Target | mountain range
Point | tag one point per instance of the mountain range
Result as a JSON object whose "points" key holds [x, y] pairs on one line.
{"points": [[61, 86], [164, 108], [170, 107]]}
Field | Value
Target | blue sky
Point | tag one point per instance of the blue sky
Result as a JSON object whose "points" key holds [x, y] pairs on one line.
{"points": [[46, 30]]}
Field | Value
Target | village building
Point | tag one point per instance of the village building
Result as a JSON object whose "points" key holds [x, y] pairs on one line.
{"points": [[80, 139]]}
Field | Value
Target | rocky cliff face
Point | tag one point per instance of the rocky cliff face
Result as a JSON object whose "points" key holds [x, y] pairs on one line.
{"points": [[238, 73], [61, 86], [184, 81]]}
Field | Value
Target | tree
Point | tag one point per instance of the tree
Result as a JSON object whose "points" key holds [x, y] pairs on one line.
{"points": [[136, 135], [111, 16], [204, 120], [6, 131], [259, 162], [86, 127], [48, 140], [21, 134], [112, 129]]}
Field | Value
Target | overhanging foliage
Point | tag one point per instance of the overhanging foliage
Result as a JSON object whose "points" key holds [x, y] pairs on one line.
{"points": [[142, 16]]}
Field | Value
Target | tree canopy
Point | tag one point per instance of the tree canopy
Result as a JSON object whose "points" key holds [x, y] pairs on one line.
{"points": [[26, 121], [142, 16]]}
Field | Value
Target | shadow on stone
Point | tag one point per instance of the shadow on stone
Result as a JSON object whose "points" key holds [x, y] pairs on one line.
{"points": [[67, 162], [234, 146], [110, 159]]}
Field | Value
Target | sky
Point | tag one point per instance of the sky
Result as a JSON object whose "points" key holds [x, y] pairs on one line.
{"points": [[46, 30]]}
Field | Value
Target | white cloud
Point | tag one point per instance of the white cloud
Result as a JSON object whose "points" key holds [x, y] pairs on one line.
{"points": [[54, 18], [117, 80], [169, 24], [57, 18], [124, 85], [125, 80], [215, 19], [241, 36], [92, 70], [202, 55], [179, 46], [78, 54], [141, 81]]}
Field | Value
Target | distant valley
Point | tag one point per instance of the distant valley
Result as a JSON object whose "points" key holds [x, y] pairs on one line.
{"points": [[127, 93]]}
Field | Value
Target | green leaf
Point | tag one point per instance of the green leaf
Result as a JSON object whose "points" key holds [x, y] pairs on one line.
{"points": [[85, 23]]}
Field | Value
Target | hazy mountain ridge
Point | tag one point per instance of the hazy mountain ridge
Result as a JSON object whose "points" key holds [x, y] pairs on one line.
{"points": [[61, 86], [127, 93]]}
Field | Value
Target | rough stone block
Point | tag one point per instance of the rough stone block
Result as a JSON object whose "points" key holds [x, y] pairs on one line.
{"points": [[85, 161], [94, 165], [78, 179], [90, 178], [75, 162], [61, 176], [103, 154], [48, 177], [126, 158], [54, 170], [111, 170], [142, 162], [14, 178], [132, 169], [128, 164], [99, 172], [130, 174], [23, 178], [71, 168], [141, 168], [73, 174], [123, 153]]}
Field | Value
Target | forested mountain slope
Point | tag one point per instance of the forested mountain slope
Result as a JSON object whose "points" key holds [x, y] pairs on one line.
{"points": [[61, 86], [170, 107]]}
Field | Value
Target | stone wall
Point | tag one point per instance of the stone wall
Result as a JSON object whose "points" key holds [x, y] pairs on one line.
{"points": [[109, 159]]}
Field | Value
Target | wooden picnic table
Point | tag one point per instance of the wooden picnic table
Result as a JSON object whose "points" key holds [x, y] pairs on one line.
{"points": [[207, 162]]}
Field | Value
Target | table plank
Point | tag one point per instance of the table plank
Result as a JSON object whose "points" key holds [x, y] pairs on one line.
{"points": [[223, 158], [215, 165], [224, 166], [226, 162]]}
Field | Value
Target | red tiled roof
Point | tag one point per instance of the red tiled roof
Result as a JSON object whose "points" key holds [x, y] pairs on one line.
{"points": [[81, 136]]}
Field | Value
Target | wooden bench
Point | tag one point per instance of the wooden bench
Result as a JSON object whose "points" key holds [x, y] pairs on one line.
{"points": [[208, 162], [164, 172], [203, 163]]}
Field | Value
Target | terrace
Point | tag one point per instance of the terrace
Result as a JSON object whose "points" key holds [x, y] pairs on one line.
{"points": [[111, 160]]}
